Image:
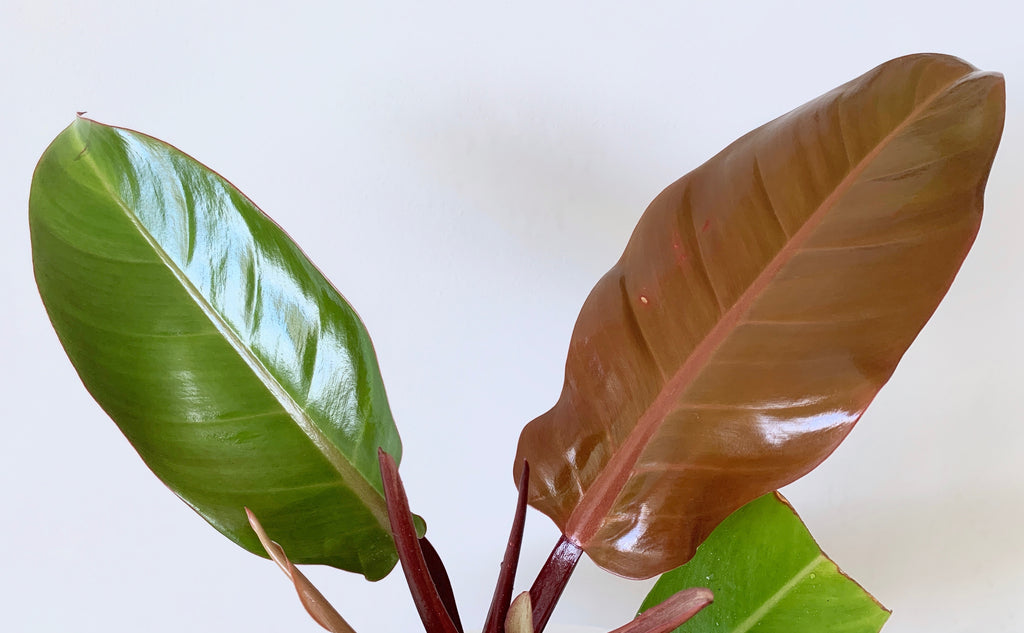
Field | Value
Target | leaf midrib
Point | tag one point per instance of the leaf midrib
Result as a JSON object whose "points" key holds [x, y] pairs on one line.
{"points": [[350, 476], [754, 618], [587, 517]]}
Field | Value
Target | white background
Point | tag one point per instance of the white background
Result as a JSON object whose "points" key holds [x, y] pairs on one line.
{"points": [[464, 174]]}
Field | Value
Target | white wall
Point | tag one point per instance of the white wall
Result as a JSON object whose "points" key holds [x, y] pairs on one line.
{"points": [[464, 174]]}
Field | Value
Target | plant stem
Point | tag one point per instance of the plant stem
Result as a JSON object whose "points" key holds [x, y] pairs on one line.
{"points": [[551, 581], [670, 614], [495, 622], [441, 581], [424, 593]]}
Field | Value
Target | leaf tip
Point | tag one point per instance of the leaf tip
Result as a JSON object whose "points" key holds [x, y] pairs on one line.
{"points": [[519, 618], [670, 614], [384, 457]]}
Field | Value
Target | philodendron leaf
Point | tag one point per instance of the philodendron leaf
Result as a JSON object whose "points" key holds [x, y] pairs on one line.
{"points": [[672, 612], [238, 373], [318, 608], [761, 303], [519, 618], [768, 575]]}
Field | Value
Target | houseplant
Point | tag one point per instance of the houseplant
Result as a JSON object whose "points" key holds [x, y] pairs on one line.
{"points": [[760, 304]]}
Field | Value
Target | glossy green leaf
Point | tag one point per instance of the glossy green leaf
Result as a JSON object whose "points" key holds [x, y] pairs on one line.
{"points": [[759, 306], [769, 576], [235, 369]]}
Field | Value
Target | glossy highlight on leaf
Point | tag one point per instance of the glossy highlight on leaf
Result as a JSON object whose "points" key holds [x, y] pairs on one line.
{"points": [[238, 373], [759, 306], [770, 576]]}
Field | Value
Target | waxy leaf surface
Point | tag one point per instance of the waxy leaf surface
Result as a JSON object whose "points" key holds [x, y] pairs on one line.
{"points": [[760, 304], [238, 373], [769, 576]]}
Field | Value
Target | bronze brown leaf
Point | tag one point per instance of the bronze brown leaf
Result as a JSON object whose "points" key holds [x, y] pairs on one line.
{"points": [[759, 306]]}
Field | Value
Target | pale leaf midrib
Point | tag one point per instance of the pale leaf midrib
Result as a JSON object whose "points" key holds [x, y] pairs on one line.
{"points": [[754, 618], [350, 476]]}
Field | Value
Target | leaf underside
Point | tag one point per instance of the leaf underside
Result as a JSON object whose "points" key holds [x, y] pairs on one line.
{"points": [[769, 576], [760, 304], [235, 369]]}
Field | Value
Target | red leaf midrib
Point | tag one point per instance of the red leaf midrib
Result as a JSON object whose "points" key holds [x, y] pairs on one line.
{"points": [[597, 500]]}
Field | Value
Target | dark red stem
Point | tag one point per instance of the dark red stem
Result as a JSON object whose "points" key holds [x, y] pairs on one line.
{"points": [[495, 622], [424, 593], [440, 577], [551, 581]]}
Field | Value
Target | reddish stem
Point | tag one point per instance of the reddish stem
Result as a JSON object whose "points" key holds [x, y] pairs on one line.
{"points": [[495, 622], [440, 577], [551, 581], [670, 614], [424, 593]]}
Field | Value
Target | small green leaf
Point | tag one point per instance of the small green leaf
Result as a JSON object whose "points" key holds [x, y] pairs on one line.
{"points": [[769, 576], [231, 364]]}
